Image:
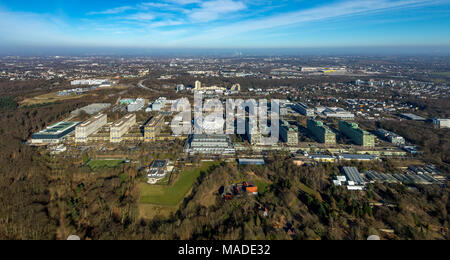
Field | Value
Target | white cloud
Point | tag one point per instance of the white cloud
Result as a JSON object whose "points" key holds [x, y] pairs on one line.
{"points": [[141, 17], [116, 10], [213, 10]]}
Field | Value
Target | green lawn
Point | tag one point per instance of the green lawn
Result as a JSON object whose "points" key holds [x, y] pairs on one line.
{"points": [[100, 164], [172, 195], [310, 191], [262, 186]]}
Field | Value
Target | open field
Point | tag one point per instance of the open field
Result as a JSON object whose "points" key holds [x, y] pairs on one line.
{"points": [[262, 186], [48, 98], [148, 211], [172, 195], [311, 192], [100, 164]]}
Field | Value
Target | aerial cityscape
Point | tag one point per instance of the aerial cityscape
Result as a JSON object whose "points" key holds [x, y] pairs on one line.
{"points": [[196, 135]]}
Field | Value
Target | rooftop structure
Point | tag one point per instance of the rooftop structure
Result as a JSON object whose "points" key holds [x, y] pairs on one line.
{"points": [[83, 131], [321, 132], [251, 161], [210, 144], [304, 109], [353, 176], [92, 108], [391, 137], [90, 82], [54, 133], [121, 127], [356, 134], [357, 157], [413, 117], [336, 112], [136, 105]]}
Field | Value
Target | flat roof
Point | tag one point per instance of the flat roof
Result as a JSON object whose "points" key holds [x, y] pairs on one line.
{"points": [[92, 120], [123, 120], [58, 127]]}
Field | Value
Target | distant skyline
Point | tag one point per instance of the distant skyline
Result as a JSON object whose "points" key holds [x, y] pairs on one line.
{"points": [[52, 25]]}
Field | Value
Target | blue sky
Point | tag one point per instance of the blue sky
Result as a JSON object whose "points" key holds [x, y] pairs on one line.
{"points": [[225, 23]]}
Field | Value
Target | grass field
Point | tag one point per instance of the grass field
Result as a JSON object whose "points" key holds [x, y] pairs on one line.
{"points": [[262, 186], [172, 195], [100, 164], [310, 191], [48, 98]]}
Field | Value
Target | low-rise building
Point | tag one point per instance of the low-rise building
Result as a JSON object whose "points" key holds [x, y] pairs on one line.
{"points": [[210, 144], [442, 123], [136, 105], [54, 133]]}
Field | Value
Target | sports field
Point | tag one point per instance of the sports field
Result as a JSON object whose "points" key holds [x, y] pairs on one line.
{"points": [[171, 196]]}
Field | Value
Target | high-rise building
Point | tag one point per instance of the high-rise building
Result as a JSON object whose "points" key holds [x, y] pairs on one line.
{"points": [[304, 109], [288, 133], [321, 132], [121, 127], [83, 131], [153, 128], [198, 85], [356, 134]]}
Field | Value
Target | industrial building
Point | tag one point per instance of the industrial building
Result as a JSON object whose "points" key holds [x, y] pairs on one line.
{"points": [[121, 127], [153, 128], [54, 133], [321, 132], [210, 144], [91, 82], [251, 162], [354, 178], [391, 137], [334, 112], [288, 133], [91, 109], [83, 131], [136, 105], [356, 134], [304, 109], [412, 117], [442, 123]]}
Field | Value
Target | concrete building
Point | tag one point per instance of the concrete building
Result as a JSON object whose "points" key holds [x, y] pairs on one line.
{"points": [[288, 133], [54, 133], [210, 144], [91, 109], [121, 127], [198, 85], [442, 123], [90, 82], [153, 128], [337, 112], [136, 105], [391, 137], [412, 117], [83, 131], [356, 134], [354, 177], [321, 132], [304, 109]]}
